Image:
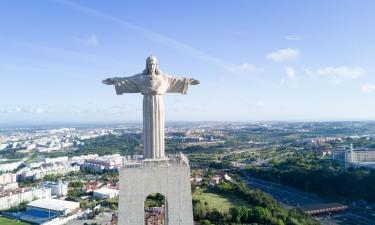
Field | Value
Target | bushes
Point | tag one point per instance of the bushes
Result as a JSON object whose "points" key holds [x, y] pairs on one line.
{"points": [[265, 210], [155, 200], [322, 177], [202, 211], [205, 222], [253, 197]]}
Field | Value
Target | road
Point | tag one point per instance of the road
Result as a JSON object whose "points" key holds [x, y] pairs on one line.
{"points": [[291, 197], [288, 196]]}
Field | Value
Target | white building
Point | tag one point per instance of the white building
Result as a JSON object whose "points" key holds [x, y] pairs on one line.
{"points": [[67, 144], [3, 146], [62, 159], [361, 156], [31, 146], [57, 188], [81, 159], [8, 178], [227, 177], [104, 163], [60, 207], [14, 198], [105, 193], [9, 187], [10, 166], [37, 174], [50, 149], [356, 158], [34, 164]]}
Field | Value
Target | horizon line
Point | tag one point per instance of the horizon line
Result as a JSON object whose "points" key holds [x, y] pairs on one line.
{"points": [[62, 123]]}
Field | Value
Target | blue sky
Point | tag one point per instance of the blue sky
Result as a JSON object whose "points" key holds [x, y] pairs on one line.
{"points": [[256, 60]]}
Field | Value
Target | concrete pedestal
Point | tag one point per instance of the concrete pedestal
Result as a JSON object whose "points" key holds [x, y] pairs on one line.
{"points": [[169, 177]]}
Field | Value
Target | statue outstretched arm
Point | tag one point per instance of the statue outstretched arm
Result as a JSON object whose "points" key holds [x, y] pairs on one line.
{"points": [[194, 81], [123, 84], [180, 84], [109, 81]]}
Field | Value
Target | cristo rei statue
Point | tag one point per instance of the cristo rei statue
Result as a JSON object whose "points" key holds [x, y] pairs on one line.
{"points": [[169, 176], [152, 84]]}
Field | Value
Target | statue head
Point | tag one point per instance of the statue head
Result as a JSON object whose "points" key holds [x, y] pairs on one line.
{"points": [[152, 67]]}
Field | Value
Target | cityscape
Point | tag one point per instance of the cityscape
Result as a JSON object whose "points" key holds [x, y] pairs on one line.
{"points": [[71, 173], [187, 112]]}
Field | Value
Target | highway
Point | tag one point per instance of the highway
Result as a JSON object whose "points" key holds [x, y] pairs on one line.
{"points": [[291, 197], [288, 196]]}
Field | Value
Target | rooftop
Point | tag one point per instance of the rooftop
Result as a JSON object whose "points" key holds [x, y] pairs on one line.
{"points": [[53, 204], [106, 191]]}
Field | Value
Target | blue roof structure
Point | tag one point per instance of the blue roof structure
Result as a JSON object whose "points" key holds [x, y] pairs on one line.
{"points": [[37, 216]]}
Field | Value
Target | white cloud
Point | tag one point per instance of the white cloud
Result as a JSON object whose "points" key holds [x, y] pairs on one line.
{"points": [[92, 40], [13, 110], [261, 103], [286, 54], [368, 88], [243, 68], [37, 110], [69, 54], [290, 73], [75, 110], [149, 34], [293, 37], [337, 74]]}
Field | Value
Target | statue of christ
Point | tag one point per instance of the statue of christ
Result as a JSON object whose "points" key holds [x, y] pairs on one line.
{"points": [[152, 84]]}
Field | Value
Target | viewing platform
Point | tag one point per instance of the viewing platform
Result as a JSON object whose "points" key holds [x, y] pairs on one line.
{"points": [[177, 159]]}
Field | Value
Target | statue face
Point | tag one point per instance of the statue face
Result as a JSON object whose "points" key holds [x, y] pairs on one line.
{"points": [[152, 67]]}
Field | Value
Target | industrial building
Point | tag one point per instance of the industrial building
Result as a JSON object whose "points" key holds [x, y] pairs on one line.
{"points": [[47, 211], [37, 217], [355, 157], [362, 155], [59, 207], [105, 193]]}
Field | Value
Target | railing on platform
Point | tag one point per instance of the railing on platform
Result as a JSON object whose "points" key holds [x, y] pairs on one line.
{"points": [[171, 159]]}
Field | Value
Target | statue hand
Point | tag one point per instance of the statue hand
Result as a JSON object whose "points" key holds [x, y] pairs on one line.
{"points": [[194, 82], [109, 81]]}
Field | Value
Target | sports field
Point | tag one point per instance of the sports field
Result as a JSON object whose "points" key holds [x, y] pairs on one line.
{"points": [[6, 221]]}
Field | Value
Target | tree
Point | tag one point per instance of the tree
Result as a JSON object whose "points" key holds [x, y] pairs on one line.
{"points": [[259, 214], [239, 214], [215, 215], [75, 184], [205, 222], [199, 211], [224, 187]]}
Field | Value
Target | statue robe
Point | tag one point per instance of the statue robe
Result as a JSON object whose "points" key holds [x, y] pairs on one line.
{"points": [[153, 87]]}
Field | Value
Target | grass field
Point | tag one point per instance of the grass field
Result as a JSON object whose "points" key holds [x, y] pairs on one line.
{"points": [[6, 221], [220, 202]]}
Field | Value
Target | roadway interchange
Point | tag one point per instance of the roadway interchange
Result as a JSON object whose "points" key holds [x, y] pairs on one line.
{"points": [[291, 197]]}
